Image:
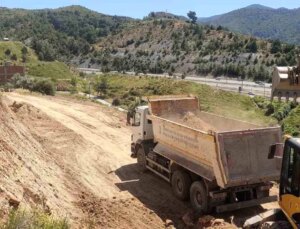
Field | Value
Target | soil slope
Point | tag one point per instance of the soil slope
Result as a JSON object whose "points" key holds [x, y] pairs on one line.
{"points": [[72, 158]]}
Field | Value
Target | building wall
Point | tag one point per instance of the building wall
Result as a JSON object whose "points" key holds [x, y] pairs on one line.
{"points": [[7, 72]]}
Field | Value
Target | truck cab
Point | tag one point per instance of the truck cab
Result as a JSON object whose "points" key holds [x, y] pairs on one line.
{"points": [[289, 193], [141, 128]]}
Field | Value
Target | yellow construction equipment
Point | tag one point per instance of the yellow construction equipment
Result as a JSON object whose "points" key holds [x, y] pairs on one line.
{"points": [[289, 189]]}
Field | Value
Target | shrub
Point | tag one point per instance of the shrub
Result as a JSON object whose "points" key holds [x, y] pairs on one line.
{"points": [[44, 86], [35, 219], [63, 85], [102, 86], [8, 87], [116, 102]]}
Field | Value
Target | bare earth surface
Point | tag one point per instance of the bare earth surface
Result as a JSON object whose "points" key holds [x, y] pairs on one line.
{"points": [[72, 158], [190, 119]]}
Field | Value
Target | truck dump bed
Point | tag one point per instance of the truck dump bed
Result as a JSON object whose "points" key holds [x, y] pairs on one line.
{"points": [[231, 151]]}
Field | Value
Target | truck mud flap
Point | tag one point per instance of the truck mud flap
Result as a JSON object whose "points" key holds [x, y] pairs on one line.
{"points": [[245, 204]]}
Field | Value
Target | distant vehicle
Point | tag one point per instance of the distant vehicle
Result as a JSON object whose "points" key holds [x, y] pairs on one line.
{"points": [[6, 39], [251, 93], [261, 83], [218, 78]]}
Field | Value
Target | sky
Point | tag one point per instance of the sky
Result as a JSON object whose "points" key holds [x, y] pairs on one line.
{"points": [[141, 8]]}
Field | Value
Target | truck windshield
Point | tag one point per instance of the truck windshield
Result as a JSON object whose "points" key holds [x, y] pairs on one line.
{"points": [[291, 171]]}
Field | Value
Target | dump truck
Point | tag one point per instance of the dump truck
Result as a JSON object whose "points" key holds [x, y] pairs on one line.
{"points": [[217, 163]]}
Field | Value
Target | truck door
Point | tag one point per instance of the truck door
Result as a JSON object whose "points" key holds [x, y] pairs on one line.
{"points": [[137, 128], [290, 183], [141, 126]]}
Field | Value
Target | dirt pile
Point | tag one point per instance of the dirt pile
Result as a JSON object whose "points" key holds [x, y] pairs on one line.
{"points": [[116, 213], [74, 149], [190, 119], [25, 178]]}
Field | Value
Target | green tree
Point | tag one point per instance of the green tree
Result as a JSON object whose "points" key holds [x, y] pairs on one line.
{"points": [[14, 57], [252, 46], [24, 51], [276, 46], [193, 16], [7, 52], [102, 86]]}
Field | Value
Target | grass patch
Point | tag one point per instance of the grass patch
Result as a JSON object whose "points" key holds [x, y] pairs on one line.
{"points": [[52, 70], [232, 105], [33, 220], [16, 48], [291, 124]]}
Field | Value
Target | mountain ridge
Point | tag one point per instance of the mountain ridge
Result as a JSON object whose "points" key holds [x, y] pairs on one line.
{"points": [[261, 21]]}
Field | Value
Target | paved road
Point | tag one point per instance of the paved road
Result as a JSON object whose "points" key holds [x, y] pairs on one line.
{"points": [[248, 87], [233, 85]]}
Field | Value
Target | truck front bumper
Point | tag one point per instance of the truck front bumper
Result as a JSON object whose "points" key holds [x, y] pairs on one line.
{"points": [[245, 204]]}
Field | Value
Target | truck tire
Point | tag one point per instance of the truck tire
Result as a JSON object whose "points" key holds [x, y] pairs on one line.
{"points": [[141, 159], [181, 183], [199, 197]]}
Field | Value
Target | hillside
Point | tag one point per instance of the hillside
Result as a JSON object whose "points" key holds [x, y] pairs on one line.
{"points": [[261, 21], [160, 43], [175, 46], [58, 33], [20, 54]]}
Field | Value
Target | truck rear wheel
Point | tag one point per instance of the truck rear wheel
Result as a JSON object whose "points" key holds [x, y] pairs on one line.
{"points": [[141, 159], [199, 197], [181, 183]]}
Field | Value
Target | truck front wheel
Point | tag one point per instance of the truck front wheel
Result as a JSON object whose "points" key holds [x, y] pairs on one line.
{"points": [[181, 183], [141, 159], [199, 197]]}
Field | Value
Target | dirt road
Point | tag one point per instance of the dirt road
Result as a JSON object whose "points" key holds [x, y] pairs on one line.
{"points": [[98, 183], [80, 167]]}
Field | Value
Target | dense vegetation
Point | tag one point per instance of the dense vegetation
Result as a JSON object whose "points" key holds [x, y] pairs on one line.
{"points": [[58, 34], [175, 46], [160, 43], [286, 113], [263, 22]]}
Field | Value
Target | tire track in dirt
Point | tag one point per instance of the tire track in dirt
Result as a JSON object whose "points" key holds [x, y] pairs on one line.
{"points": [[91, 145]]}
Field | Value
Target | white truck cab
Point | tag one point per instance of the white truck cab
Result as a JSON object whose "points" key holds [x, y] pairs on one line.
{"points": [[141, 127]]}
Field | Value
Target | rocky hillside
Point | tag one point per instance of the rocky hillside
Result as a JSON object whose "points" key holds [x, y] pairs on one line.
{"points": [[261, 21], [160, 43], [175, 46]]}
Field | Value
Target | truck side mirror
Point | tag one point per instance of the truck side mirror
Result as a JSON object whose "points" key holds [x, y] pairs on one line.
{"points": [[276, 150]]}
